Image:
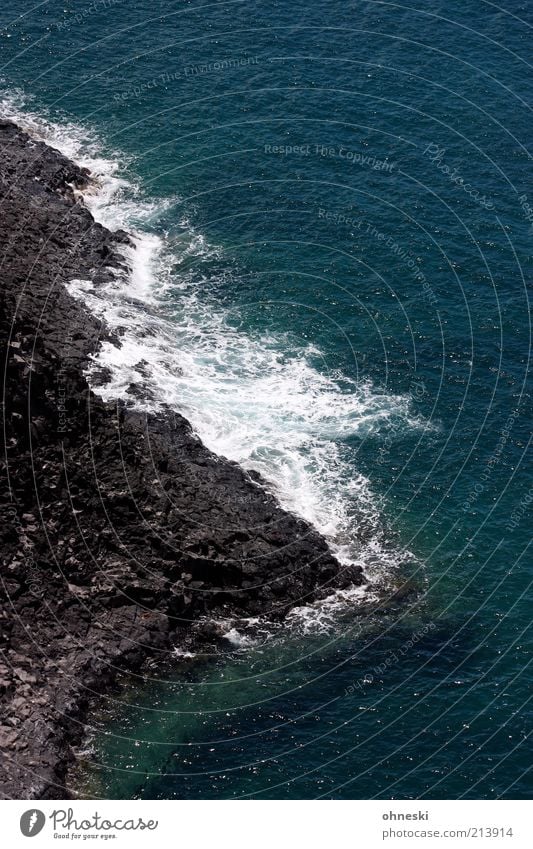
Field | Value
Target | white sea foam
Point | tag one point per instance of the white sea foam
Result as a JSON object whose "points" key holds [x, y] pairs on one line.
{"points": [[183, 654], [256, 399]]}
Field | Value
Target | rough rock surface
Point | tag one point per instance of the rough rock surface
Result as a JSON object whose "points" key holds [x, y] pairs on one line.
{"points": [[119, 531]]}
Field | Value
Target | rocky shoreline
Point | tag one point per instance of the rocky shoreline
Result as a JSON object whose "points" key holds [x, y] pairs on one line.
{"points": [[122, 535]]}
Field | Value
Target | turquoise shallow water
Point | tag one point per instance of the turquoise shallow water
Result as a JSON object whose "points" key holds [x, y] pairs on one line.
{"points": [[332, 204]]}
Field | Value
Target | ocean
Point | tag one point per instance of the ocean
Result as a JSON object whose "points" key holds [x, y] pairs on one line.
{"points": [[333, 219]]}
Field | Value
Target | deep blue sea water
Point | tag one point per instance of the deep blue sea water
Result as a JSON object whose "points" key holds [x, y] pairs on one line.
{"points": [[334, 211]]}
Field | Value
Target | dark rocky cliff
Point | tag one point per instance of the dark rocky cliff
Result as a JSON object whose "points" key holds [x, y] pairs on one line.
{"points": [[120, 532]]}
